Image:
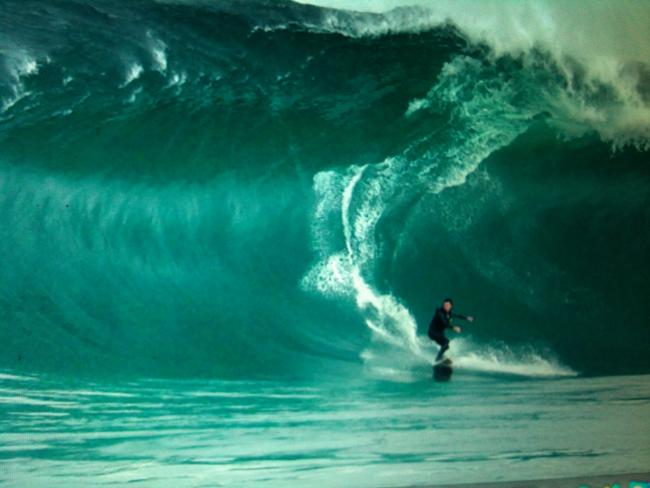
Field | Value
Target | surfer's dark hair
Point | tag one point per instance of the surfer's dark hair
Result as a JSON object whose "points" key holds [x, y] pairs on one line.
{"points": [[448, 300]]}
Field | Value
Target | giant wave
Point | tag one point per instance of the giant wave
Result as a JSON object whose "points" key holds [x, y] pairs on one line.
{"points": [[274, 189]]}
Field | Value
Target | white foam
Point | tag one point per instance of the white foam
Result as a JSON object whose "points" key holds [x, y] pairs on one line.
{"points": [[13, 377], [342, 272], [400, 364], [18, 95], [20, 64], [505, 360], [160, 58], [82, 393], [25, 400], [177, 79], [133, 72], [158, 51], [134, 95]]}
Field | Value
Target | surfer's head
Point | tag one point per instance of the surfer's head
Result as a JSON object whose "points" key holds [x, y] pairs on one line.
{"points": [[447, 303]]}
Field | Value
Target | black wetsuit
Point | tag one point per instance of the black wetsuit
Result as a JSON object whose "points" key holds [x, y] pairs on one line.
{"points": [[439, 323]]}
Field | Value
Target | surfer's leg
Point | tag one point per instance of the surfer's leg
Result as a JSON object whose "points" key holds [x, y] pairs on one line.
{"points": [[444, 345], [442, 351]]}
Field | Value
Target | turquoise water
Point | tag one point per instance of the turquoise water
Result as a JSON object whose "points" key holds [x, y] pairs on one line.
{"points": [[363, 433], [225, 226]]}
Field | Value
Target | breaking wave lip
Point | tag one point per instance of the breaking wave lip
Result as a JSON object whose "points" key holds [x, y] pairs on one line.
{"points": [[514, 27], [601, 58]]}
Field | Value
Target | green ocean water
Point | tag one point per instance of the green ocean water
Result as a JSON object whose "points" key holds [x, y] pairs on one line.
{"points": [[370, 433], [210, 208]]}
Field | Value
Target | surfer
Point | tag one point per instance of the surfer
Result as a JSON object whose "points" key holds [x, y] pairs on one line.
{"points": [[442, 321]]}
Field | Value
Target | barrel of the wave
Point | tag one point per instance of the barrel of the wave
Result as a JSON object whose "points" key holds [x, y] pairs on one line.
{"points": [[442, 370]]}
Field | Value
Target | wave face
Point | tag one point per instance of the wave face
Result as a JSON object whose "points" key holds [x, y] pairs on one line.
{"points": [[241, 189]]}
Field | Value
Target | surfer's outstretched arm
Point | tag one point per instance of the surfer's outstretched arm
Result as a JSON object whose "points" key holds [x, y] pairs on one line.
{"points": [[469, 318]]}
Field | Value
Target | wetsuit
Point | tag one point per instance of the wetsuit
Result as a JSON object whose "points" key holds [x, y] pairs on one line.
{"points": [[439, 323]]}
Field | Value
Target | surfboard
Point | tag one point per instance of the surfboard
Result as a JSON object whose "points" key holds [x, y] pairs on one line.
{"points": [[442, 370]]}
